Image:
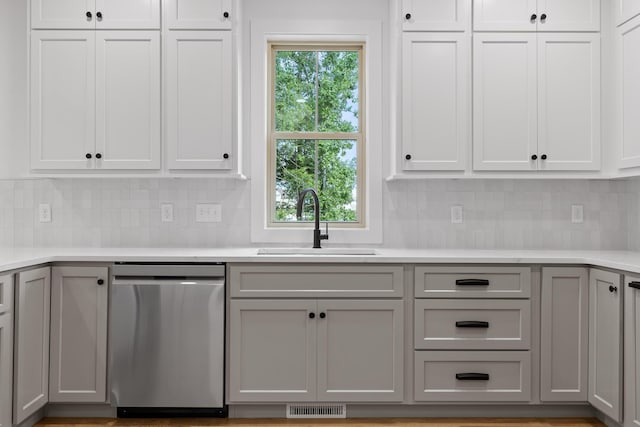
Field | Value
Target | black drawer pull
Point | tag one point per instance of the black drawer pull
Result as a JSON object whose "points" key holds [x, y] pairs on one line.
{"points": [[471, 324], [635, 285], [472, 376], [472, 282]]}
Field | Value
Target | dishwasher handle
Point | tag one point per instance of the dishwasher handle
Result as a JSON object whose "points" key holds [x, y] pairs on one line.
{"points": [[128, 281]]}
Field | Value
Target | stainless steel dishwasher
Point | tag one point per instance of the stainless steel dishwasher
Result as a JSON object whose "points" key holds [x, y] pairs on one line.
{"points": [[167, 340]]}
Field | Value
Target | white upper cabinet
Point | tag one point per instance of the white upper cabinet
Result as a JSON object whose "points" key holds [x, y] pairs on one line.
{"points": [[504, 102], [198, 14], [436, 100], [91, 14], [436, 15], [540, 15], [627, 9], [629, 89], [569, 101], [199, 102]]}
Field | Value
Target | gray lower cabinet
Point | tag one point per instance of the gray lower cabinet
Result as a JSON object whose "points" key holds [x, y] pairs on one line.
{"points": [[605, 343], [632, 351], [31, 342], [564, 333], [6, 349], [316, 350], [78, 360]]}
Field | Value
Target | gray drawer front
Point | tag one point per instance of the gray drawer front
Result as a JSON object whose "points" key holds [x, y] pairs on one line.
{"points": [[315, 280], [456, 324], [464, 282], [509, 376], [6, 293]]}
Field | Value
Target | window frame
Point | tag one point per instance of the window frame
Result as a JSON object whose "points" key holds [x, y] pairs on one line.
{"points": [[273, 135]]}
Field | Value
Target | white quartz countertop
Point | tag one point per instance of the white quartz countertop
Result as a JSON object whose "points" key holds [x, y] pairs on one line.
{"points": [[16, 258]]}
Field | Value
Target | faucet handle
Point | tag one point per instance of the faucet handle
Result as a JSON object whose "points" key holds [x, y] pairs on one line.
{"points": [[325, 236]]}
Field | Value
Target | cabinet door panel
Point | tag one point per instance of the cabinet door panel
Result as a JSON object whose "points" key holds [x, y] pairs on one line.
{"points": [[504, 15], [627, 9], [436, 100], [360, 351], [31, 341], [6, 368], [197, 14], [6, 293], [605, 343], [564, 335], [78, 334], [128, 99], [504, 102], [436, 15], [272, 352], [128, 14], [569, 15], [629, 89], [62, 99], [631, 352], [199, 99], [569, 101], [62, 14]]}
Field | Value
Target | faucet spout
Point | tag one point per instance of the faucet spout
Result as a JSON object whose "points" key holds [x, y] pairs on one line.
{"points": [[317, 235]]}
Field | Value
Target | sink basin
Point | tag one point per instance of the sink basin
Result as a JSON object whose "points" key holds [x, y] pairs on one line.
{"points": [[311, 251]]}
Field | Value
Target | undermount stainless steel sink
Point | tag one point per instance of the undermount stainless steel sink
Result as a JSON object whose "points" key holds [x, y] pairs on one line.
{"points": [[312, 251]]}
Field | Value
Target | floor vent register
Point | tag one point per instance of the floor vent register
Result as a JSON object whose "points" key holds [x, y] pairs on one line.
{"points": [[316, 410]]}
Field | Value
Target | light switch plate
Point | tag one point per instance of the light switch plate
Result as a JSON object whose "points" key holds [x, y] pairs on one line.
{"points": [[577, 214], [209, 212], [456, 214], [44, 212], [166, 212]]}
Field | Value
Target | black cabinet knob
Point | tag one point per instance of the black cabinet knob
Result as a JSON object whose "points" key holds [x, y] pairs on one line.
{"points": [[534, 157], [226, 14], [99, 15], [543, 17], [407, 16], [100, 282], [534, 17], [408, 157], [98, 156], [323, 315], [225, 156], [88, 155], [543, 157], [613, 289], [89, 15], [312, 315]]}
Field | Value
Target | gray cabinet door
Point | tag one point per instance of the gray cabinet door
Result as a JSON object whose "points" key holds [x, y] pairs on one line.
{"points": [[605, 330], [631, 351], [31, 342], [6, 293], [78, 334], [272, 353], [6, 368], [564, 346], [360, 350]]}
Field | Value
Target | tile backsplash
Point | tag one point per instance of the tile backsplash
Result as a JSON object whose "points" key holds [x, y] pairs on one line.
{"points": [[497, 214]]}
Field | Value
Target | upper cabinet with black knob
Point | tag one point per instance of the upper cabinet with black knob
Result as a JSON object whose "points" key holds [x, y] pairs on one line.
{"points": [[536, 15], [198, 14], [436, 15], [96, 14]]}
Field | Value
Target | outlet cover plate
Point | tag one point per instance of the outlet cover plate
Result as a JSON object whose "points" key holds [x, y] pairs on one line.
{"points": [[166, 212], [44, 212], [577, 214], [456, 214], [209, 212]]}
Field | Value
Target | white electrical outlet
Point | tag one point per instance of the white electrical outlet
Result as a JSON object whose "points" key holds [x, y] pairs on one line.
{"points": [[166, 212], [456, 214], [577, 214], [44, 212], [210, 212]]}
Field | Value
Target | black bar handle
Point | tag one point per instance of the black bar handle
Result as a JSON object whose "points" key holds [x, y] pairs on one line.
{"points": [[634, 285], [471, 324], [472, 376], [472, 282]]}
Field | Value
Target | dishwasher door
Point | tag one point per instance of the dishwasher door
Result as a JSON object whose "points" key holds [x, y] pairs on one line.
{"points": [[167, 342]]}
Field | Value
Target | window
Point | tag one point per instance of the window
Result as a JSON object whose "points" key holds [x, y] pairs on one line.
{"points": [[316, 132]]}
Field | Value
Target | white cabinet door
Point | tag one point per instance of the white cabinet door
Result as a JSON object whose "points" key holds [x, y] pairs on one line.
{"points": [[564, 335], [436, 15], [63, 14], [128, 14], [31, 342], [568, 15], [62, 99], [272, 354], [128, 100], [78, 334], [360, 351], [569, 101], [605, 343], [6, 350], [199, 101], [504, 15], [629, 89], [627, 9], [504, 101], [436, 100], [198, 14], [631, 351]]}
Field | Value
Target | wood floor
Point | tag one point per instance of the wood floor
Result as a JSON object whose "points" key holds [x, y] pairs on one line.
{"points": [[361, 422]]}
